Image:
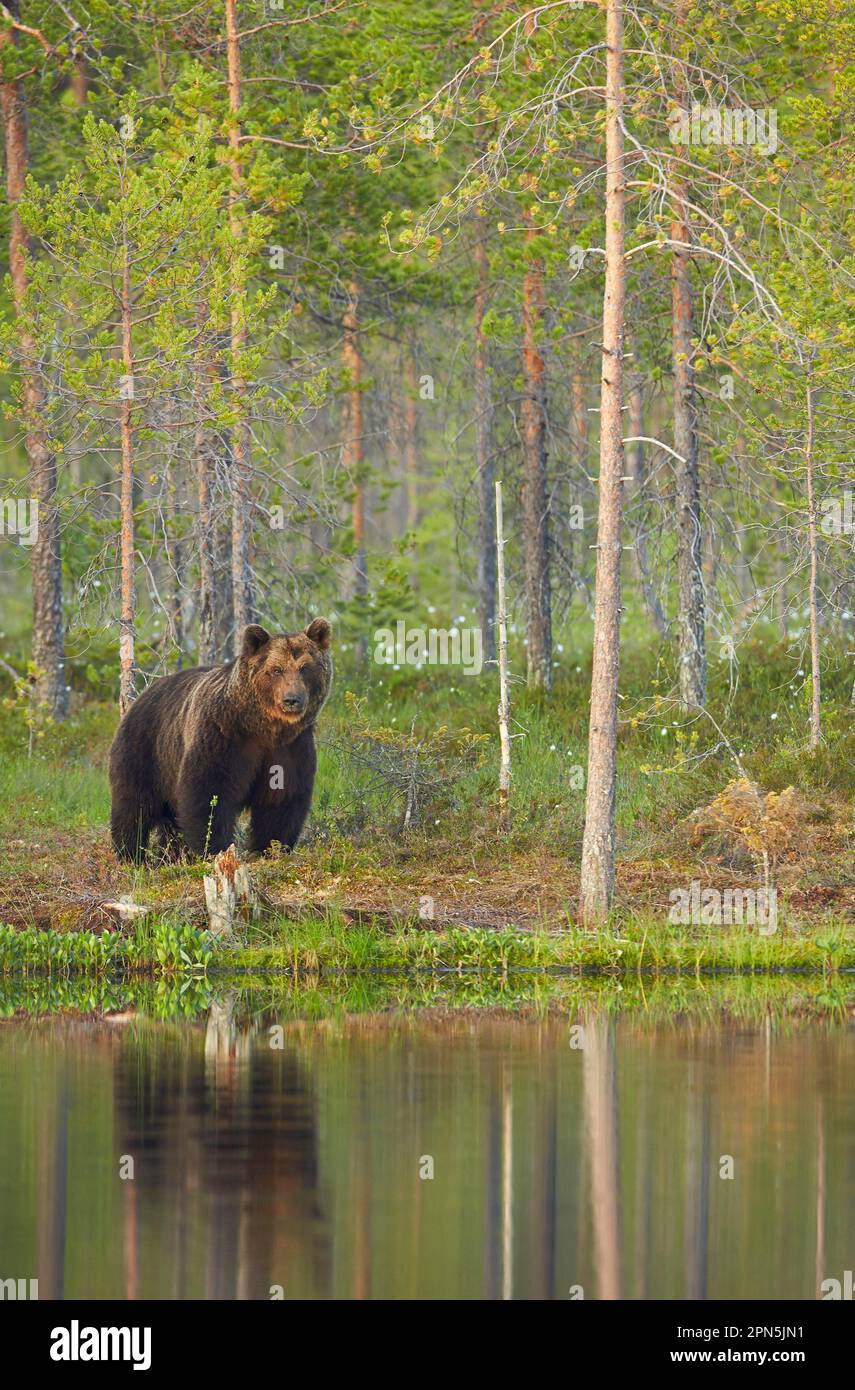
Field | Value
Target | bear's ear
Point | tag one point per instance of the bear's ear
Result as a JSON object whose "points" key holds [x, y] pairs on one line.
{"points": [[319, 631], [252, 639]]}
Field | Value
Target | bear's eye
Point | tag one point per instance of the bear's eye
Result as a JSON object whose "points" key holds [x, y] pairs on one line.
{"points": [[276, 671]]}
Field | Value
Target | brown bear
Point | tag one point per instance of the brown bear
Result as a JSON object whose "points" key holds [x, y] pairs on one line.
{"points": [[199, 747]]}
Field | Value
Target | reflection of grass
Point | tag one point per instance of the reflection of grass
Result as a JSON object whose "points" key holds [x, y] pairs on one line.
{"points": [[80, 994], [389, 1000]]}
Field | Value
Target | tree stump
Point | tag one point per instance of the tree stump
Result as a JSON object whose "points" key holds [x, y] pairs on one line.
{"points": [[228, 893]]}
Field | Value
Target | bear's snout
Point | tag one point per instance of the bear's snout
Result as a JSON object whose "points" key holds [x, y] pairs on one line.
{"points": [[295, 702]]}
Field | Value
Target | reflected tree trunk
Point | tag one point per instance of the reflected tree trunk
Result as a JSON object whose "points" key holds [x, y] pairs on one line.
{"points": [[507, 1185], [819, 1258], [696, 1192], [493, 1192], [549, 1197], [53, 1188], [130, 1238], [360, 1187], [601, 1133]]}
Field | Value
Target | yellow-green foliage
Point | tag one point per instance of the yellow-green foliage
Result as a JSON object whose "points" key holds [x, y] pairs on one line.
{"points": [[768, 825]]}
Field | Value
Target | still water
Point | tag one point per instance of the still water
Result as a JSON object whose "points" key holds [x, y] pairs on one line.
{"points": [[572, 1141]]}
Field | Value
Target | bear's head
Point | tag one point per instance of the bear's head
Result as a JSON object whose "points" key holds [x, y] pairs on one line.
{"points": [[288, 676]]}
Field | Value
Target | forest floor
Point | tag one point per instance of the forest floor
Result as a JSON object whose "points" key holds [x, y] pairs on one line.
{"points": [[392, 739]]}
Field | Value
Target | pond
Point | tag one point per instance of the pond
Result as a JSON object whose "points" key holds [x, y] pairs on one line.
{"points": [[378, 1139]]}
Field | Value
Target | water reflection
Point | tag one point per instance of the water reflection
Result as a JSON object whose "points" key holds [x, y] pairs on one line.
{"points": [[559, 1169]]}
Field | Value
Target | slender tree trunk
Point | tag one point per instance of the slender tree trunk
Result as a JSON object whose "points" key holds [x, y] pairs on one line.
{"points": [[535, 512], [80, 93], [709, 565], [411, 452], [127, 618], [206, 532], [580, 420], [579, 444], [813, 592], [175, 562], [222, 463], [352, 447], [396, 457], [690, 579], [484, 451], [504, 699], [48, 647], [243, 585], [598, 845], [639, 475], [79, 80], [175, 557], [224, 613]]}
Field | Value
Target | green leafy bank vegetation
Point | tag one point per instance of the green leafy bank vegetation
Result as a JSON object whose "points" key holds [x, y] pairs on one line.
{"points": [[333, 945]]}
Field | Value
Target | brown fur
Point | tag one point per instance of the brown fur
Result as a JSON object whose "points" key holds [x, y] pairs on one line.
{"points": [[199, 747]]}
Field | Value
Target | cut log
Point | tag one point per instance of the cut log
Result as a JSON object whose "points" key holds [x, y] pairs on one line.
{"points": [[126, 910]]}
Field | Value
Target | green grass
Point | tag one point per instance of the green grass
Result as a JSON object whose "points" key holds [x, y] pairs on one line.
{"points": [[641, 945], [54, 809], [164, 947], [64, 784], [330, 945], [661, 776]]}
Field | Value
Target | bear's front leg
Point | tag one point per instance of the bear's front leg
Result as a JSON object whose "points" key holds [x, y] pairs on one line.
{"points": [[206, 819], [283, 822]]}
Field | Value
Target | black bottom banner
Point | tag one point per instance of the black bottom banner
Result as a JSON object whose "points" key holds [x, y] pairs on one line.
{"points": [[153, 1338]]}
